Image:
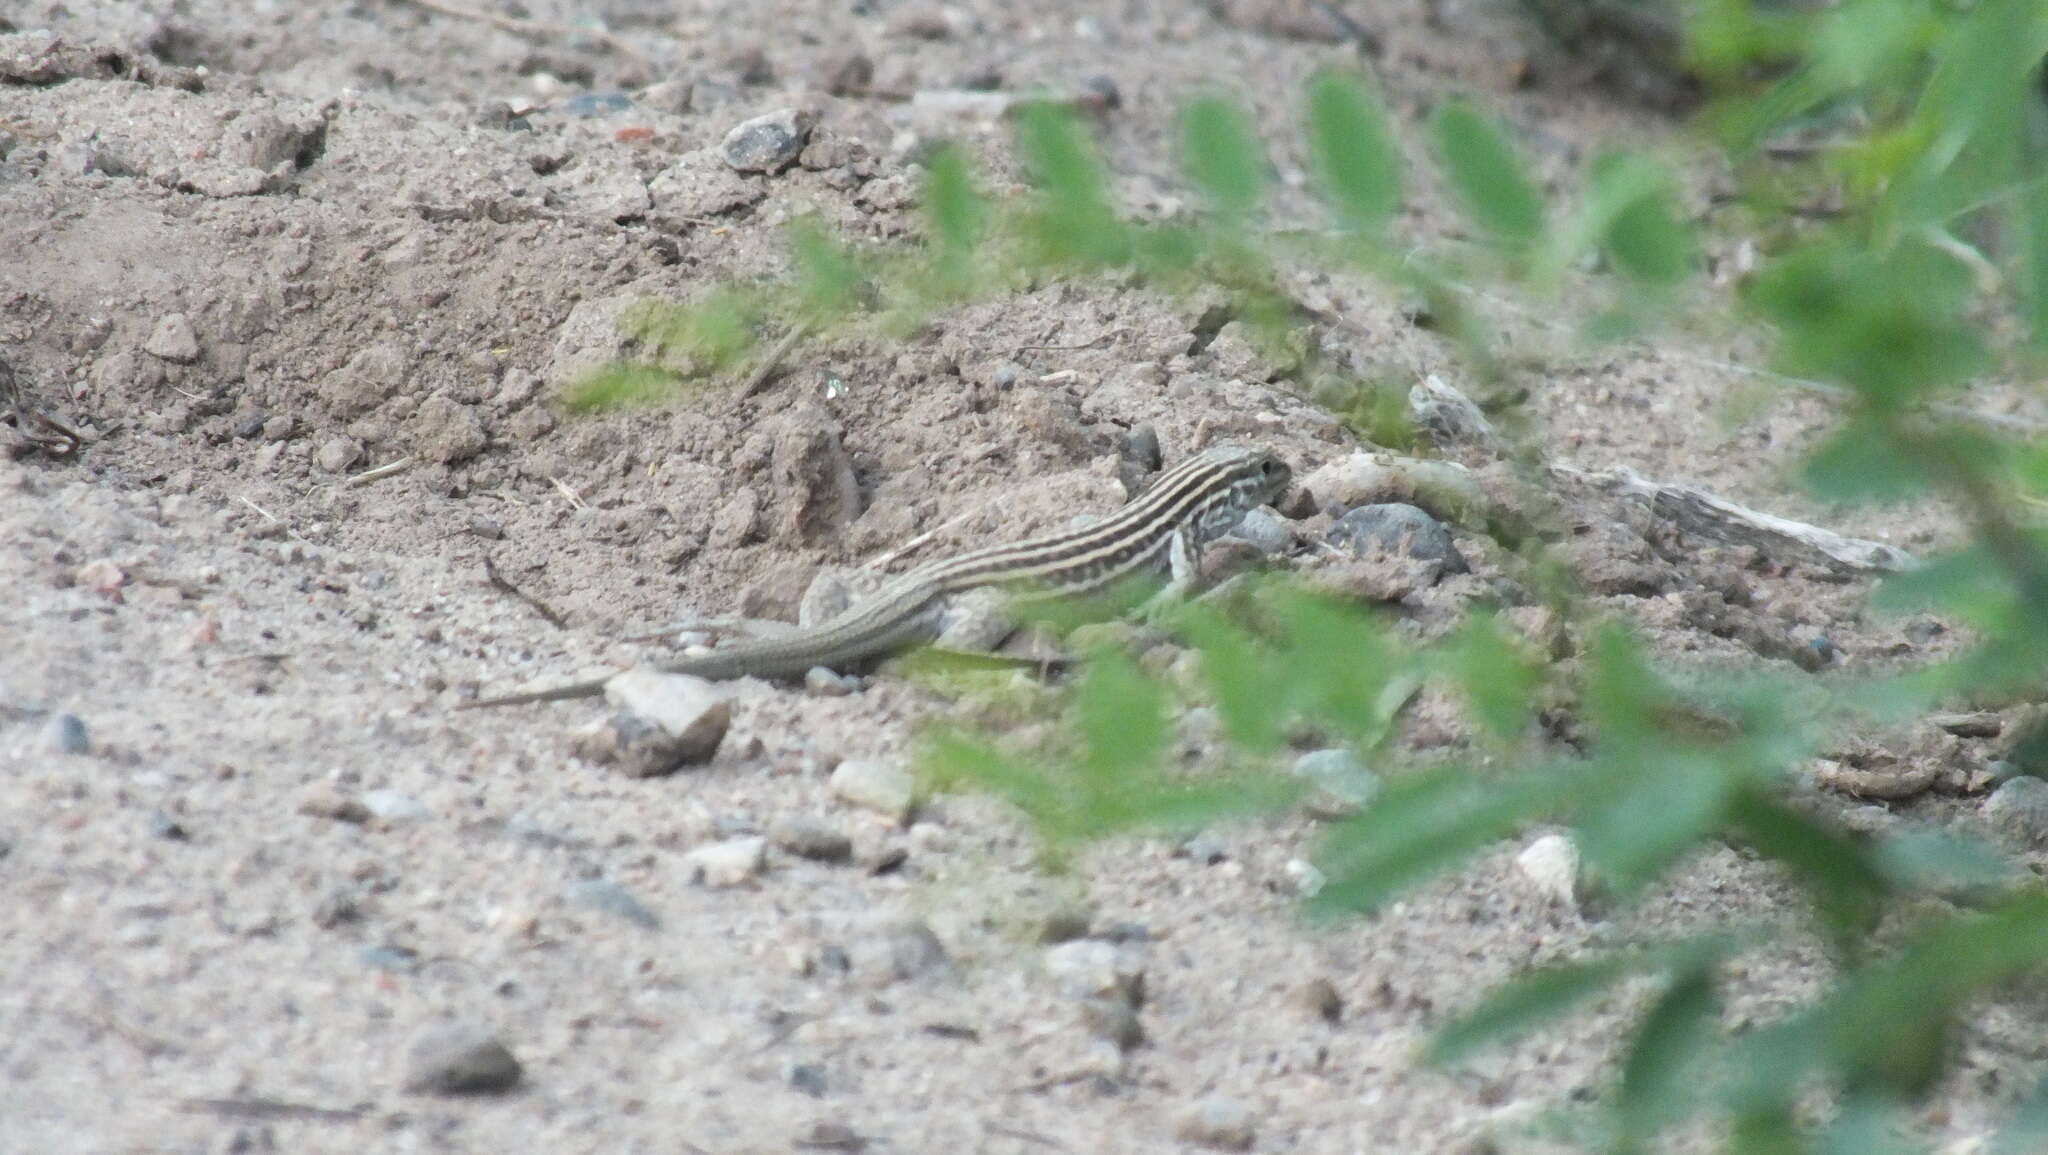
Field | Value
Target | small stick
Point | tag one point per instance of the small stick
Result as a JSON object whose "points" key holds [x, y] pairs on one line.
{"points": [[270, 1109], [543, 29], [772, 360], [273, 519], [498, 582], [380, 472]]}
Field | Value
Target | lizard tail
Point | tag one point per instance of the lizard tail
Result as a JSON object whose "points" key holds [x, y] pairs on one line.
{"points": [[589, 689]]}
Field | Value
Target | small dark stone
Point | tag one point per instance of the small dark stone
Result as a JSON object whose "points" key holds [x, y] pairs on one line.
{"points": [[767, 144], [1064, 925], [810, 838], [460, 1059], [394, 959], [1397, 528], [163, 826], [806, 1077], [1136, 932], [605, 895], [250, 424], [1100, 94], [1205, 848], [590, 104], [65, 733]]}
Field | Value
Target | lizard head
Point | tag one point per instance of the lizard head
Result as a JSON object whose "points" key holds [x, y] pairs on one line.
{"points": [[1241, 478]]}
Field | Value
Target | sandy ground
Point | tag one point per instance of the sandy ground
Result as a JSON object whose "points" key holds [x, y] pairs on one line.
{"points": [[251, 253]]}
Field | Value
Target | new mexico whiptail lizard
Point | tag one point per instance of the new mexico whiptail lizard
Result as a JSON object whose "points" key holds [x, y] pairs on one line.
{"points": [[1165, 527]]}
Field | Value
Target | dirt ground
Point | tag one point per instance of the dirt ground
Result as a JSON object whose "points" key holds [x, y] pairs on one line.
{"points": [[248, 853]]}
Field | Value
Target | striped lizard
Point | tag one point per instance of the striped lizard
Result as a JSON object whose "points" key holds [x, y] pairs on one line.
{"points": [[1164, 527]]}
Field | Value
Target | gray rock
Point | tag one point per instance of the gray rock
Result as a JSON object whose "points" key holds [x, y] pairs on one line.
{"points": [[1307, 877], [827, 684], [396, 960], [807, 837], [1204, 848], [1090, 968], [392, 806], [806, 1077], [446, 431], [164, 826], [336, 454], [1398, 529], [1318, 998], [914, 951], [461, 1059], [728, 863], [1552, 863], [65, 733], [879, 786], [665, 722], [1218, 1123], [768, 143], [173, 340], [1342, 786], [1265, 531], [608, 896], [1448, 415], [2019, 810]]}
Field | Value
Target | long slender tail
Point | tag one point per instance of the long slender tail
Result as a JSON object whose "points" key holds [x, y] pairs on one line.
{"points": [[589, 689]]}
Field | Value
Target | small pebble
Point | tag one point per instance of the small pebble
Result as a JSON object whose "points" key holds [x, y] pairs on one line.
{"points": [[460, 1059], [325, 800], [1552, 863], [829, 684], [1318, 997], [163, 826], [1264, 531], [664, 722], [2018, 809], [806, 1077], [913, 950], [396, 960], [1091, 968], [589, 104], [1065, 925], [1204, 848], [336, 454], [1218, 1123], [879, 786], [392, 806], [1307, 877], [768, 143], [487, 527], [1342, 784], [727, 863], [65, 733], [608, 896], [807, 837], [173, 340]]}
